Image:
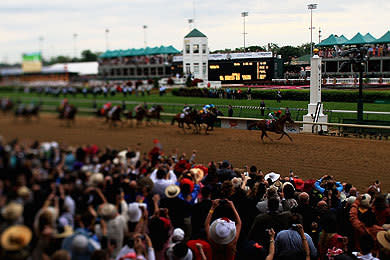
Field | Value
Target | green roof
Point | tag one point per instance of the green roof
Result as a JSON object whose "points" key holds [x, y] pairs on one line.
{"points": [[341, 40], [384, 39], [369, 38], [194, 34], [330, 41], [358, 39], [140, 52]]}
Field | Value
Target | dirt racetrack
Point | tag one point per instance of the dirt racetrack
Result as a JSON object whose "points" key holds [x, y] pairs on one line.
{"points": [[359, 161]]}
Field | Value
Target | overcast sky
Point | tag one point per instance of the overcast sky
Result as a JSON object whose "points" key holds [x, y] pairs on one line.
{"points": [[285, 22]]}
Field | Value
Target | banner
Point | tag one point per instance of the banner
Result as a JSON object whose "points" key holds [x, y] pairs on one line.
{"points": [[32, 62]]}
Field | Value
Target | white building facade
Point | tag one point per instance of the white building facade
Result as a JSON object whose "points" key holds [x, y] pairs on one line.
{"points": [[196, 55]]}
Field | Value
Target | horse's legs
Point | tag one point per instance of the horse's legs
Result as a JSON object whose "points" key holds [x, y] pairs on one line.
{"points": [[265, 133], [281, 136], [289, 137]]}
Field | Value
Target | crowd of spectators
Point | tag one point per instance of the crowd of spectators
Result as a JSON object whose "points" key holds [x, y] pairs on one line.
{"points": [[138, 60], [88, 202], [380, 50]]}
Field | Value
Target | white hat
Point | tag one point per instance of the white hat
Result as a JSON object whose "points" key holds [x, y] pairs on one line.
{"points": [[107, 210], [236, 182], [178, 235], [222, 231], [96, 179], [366, 199], [273, 176], [351, 199], [134, 212], [172, 191]]}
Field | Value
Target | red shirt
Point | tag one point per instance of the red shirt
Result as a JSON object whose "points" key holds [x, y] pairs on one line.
{"points": [[206, 249]]}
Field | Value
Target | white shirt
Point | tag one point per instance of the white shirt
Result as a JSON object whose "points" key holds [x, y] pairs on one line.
{"points": [[161, 184]]}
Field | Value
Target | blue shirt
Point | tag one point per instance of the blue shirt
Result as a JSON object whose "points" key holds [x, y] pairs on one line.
{"points": [[289, 243]]}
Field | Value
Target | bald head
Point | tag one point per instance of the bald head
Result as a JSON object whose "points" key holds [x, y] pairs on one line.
{"points": [[304, 198]]}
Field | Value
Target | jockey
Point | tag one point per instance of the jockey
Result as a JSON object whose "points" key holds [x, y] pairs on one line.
{"points": [[107, 106], [112, 110], [207, 108], [278, 114], [271, 115], [153, 108], [187, 109], [138, 107], [64, 103]]}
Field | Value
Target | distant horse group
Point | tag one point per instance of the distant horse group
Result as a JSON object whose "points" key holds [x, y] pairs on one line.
{"points": [[197, 119]]}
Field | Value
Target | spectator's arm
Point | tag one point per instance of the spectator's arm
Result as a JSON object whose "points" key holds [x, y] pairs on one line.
{"points": [[172, 176], [271, 250], [200, 248], [195, 192], [305, 244], [153, 176], [101, 195], [317, 186], [208, 218], [238, 220]]}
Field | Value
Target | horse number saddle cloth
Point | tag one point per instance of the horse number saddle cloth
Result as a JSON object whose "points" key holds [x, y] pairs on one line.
{"points": [[270, 123]]}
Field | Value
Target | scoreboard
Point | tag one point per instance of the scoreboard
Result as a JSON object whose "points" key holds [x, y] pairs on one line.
{"points": [[241, 71]]}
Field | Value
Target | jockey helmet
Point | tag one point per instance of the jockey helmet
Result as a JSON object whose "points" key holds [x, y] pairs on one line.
{"points": [[279, 111]]}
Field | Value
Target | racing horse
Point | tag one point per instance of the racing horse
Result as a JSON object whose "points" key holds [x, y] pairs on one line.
{"points": [[28, 111], [154, 113], [140, 113], [68, 113], [113, 116], [6, 105], [276, 126], [208, 119], [188, 119]]}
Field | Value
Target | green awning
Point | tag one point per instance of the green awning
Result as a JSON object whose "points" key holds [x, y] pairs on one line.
{"points": [[384, 39], [341, 40], [330, 41], [369, 38], [140, 52], [358, 39]]}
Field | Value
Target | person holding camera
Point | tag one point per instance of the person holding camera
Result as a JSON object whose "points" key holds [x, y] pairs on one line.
{"points": [[294, 243], [223, 233]]}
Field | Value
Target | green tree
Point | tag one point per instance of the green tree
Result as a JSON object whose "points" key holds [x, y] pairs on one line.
{"points": [[88, 55]]}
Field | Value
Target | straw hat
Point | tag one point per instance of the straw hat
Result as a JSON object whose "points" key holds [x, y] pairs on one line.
{"points": [[223, 231], [15, 238], [12, 211], [198, 174], [384, 239], [96, 179], [172, 191], [24, 192], [107, 211]]}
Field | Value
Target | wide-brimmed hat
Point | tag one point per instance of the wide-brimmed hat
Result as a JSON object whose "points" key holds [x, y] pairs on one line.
{"points": [[15, 238], [366, 199], [273, 176], [384, 238], [198, 174], [96, 179], [107, 211], [12, 211], [351, 199], [134, 212], [287, 184], [222, 231], [172, 191], [68, 231]]}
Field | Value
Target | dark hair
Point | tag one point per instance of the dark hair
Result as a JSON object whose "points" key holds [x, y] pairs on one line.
{"points": [[253, 168], [273, 204], [368, 218], [366, 243], [205, 192], [158, 233], [180, 250], [99, 255], [288, 191], [161, 174], [295, 218]]}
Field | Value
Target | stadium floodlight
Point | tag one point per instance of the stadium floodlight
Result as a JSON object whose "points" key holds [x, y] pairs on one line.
{"points": [[311, 7], [145, 27], [243, 15], [107, 31]]}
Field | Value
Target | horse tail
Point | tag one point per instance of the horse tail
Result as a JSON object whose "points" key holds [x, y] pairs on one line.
{"points": [[173, 120]]}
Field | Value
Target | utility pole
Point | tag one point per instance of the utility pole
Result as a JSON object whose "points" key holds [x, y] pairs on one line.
{"points": [[243, 15], [311, 7]]}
